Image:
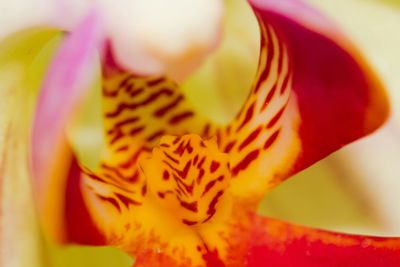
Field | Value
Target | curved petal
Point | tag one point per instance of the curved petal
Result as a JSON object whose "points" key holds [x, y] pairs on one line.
{"points": [[54, 166], [277, 243], [313, 94]]}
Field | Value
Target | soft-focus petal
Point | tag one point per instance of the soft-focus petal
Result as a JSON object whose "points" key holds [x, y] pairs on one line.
{"points": [[156, 37], [22, 56], [55, 169], [22, 14], [372, 164]]}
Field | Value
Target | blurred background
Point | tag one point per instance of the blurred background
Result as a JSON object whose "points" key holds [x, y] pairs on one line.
{"points": [[354, 190]]}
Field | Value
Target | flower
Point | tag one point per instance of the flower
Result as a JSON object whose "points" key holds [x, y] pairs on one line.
{"points": [[177, 189]]}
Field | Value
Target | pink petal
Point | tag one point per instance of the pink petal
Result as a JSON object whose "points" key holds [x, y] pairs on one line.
{"points": [[64, 87]]}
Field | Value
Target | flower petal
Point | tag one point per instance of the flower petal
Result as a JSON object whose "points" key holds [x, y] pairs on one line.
{"points": [[55, 170], [19, 53], [313, 94], [281, 244]]}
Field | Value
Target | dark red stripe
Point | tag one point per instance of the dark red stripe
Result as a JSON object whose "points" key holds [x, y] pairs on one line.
{"points": [[245, 162], [229, 146], [248, 116], [276, 118], [127, 201], [110, 93], [164, 110], [116, 137], [132, 106], [250, 138], [189, 223], [269, 97], [155, 82], [270, 55], [208, 187], [214, 166], [211, 208], [136, 130], [119, 125], [111, 201], [192, 206], [181, 117], [170, 157], [122, 148], [136, 92], [271, 140], [155, 136], [285, 82]]}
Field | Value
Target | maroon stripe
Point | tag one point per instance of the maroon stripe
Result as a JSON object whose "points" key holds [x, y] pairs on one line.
{"points": [[116, 137], [110, 200], [269, 97], [170, 157], [248, 116], [192, 206], [270, 55], [181, 117], [155, 135], [118, 125], [127, 201], [136, 92], [155, 82], [122, 148], [250, 138], [271, 140], [136, 130], [245, 162], [285, 82], [229, 146], [110, 93], [208, 187], [276, 118], [132, 106], [163, 110]]}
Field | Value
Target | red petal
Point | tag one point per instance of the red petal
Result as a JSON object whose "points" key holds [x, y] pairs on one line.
{"points": [[276, 243], [80, 227], [340, 99], [313, 94]]}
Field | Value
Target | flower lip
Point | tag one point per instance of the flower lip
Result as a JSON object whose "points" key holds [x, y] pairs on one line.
{"points": [[188, 176]]}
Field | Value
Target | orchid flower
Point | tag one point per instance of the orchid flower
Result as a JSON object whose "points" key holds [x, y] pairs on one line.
{"points": [[175, 188]]}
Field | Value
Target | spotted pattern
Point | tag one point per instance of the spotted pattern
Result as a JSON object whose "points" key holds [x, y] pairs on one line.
{"points": [[188, 176], [138, 111]]}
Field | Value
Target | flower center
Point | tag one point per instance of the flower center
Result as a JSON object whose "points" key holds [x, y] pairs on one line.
{"points": [[188, 176]]}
